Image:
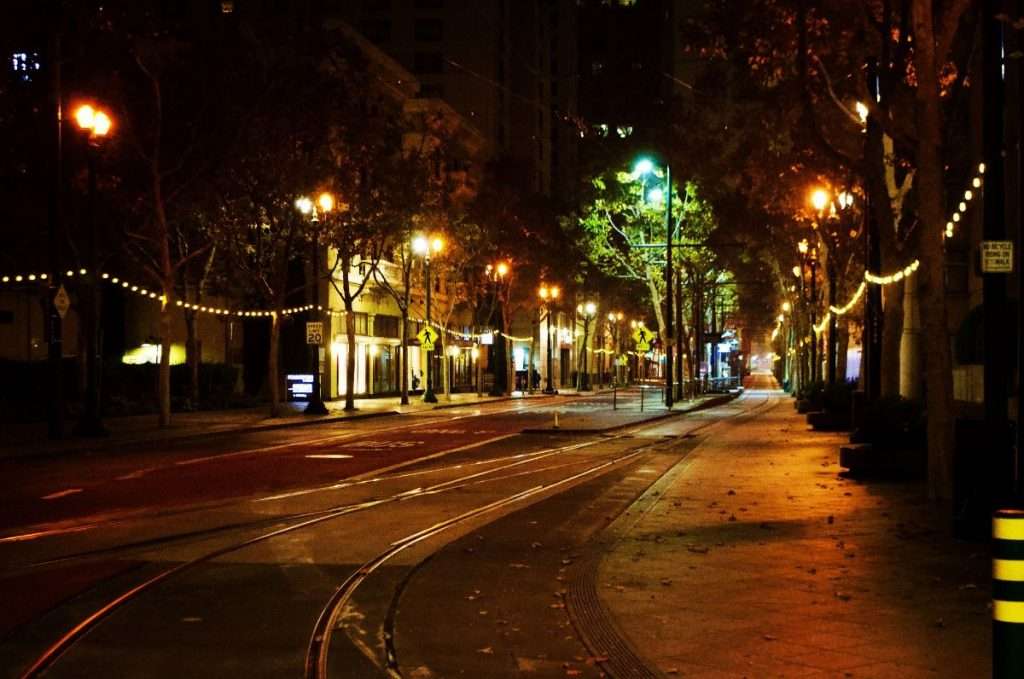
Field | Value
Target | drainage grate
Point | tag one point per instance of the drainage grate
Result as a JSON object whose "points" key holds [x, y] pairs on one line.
{"points": [[595, 627]]}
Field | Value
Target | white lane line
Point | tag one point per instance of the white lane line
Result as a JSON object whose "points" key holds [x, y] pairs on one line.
{"points": [[377, 475], [329, 457], [62, 493]]}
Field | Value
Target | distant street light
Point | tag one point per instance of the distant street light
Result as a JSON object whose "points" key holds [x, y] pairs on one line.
{"points": [[645, 166], [96, 125], [324, 206], [423, 246], [588, 310], [549, 295]]}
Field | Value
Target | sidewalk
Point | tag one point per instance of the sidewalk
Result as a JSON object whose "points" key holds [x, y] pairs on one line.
{"points": [[753, 558], [31, 439]]}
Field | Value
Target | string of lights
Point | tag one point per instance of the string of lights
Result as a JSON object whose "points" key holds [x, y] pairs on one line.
{"points": [[961, 207], [843, 310], [894, 277]]}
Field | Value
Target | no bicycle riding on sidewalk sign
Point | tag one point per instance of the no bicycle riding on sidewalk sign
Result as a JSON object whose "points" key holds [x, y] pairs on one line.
{"points": [[997, 256]]}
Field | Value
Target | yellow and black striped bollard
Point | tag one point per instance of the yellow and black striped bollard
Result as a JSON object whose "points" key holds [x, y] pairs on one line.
{"points": [[1008, 594]]}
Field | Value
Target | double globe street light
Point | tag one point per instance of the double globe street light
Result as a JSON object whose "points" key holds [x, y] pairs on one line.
{"points": [[424, 246], [96, 125], [549, 295], [323, 206]]}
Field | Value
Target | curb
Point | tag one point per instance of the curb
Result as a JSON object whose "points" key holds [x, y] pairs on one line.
{"points": [[710, 403], [107, 444]]}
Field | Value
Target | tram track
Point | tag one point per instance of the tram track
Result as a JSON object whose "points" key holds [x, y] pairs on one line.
{"points": [[316, 662]]}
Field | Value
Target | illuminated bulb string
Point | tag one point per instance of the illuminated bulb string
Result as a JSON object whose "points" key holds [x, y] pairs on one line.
{"points": [[962, 206], [888, 279]]}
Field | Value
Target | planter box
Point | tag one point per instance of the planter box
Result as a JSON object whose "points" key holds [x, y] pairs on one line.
{"points": [[865, 460], [823, 420]]}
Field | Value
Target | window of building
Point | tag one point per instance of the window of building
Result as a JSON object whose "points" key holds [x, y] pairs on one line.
{"points": [[428, 62], [24, 65], [429, 30], [362, 323], [386, 326]]}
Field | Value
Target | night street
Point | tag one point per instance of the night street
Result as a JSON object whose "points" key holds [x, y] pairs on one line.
{"points": [[423, 339]]}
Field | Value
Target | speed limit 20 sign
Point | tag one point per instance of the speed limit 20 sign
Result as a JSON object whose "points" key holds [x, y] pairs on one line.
{"points": [[315, 332]]}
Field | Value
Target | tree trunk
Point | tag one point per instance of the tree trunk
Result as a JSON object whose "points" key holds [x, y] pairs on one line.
{"points": [[930, 193], [404, 355], [350, 358], [164, 376], [192, 358], [273, 371], [892, 331], [910, 343]]}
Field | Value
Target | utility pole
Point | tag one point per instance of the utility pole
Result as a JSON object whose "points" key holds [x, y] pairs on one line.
{"points": [[996, 368], [55, 330], [872, 342], [668, 286]]}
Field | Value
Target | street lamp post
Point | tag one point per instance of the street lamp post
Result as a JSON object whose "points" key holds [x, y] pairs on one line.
{"points": [[423, 246], [549, 293], [325, 205], [587, 310], [645, 166], [809, 256], [96, 124]]}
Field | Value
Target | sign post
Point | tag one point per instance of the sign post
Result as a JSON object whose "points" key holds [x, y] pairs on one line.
{"points": [[315, 339]]}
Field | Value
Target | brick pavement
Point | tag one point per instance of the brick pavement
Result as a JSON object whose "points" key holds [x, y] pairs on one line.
{"points": [[754, 558]]}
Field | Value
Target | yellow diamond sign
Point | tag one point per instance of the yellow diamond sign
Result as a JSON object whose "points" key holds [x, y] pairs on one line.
{"points": [[427, 337]]}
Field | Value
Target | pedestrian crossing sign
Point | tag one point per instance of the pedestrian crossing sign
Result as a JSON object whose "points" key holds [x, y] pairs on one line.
{"points": [[643, 338], [427, 337]]}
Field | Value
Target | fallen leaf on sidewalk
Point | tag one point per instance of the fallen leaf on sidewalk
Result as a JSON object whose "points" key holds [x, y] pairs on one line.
{"points": [[969, 585], [831, 519], [536, 545], [486, 650], [769, 637], [518, 565], [697, 550], [666, 582], [843, 596], [731, 492], [732, 517]]}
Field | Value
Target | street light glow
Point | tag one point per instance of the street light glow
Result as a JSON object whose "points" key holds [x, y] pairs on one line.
{"points": [[101, 124], [590, 308], [786, 307], [642, 167], [802, 246], [862, 112], [819, 199], [437, 244], [796, 271], [304, 205], [420, 245], [655, 195], [845, 199], [325, 201], [502, 269], [84, 116]]}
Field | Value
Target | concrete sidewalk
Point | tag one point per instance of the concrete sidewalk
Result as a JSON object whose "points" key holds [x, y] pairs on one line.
{"points": [[754, 558], [31, 438]]}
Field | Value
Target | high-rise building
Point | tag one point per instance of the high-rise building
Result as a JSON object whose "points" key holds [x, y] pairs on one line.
{"points": [[507, 66]]}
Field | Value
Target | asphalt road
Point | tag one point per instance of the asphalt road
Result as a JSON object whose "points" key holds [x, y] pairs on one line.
{"points": [[422, 546]]}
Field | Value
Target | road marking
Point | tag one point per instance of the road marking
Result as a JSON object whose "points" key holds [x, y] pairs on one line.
{"points": [[63, 493], [376, 475], [339, 456], [382, 445]]}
